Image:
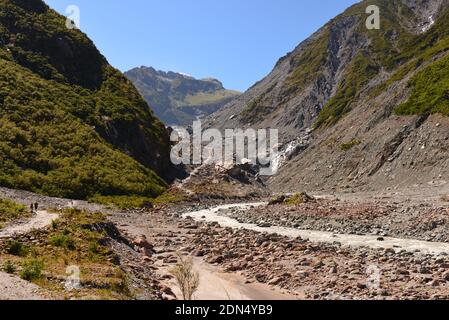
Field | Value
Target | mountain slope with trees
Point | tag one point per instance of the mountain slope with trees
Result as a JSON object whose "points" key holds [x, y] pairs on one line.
{"points": [[70, 124]]}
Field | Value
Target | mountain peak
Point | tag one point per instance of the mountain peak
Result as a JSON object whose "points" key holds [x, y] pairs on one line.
{"points": [[178, 98]]}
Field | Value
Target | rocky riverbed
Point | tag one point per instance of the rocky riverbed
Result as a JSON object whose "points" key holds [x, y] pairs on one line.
{"points": [[323, 271], [423, 221], [299, 267], [263, 264]]}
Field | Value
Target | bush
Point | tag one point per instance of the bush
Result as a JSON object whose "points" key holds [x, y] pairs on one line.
{"points": [[10, 210], [16, 248], [187, 279], [63, 241], [32, 270], [54, 224], [93, 247], [296, 199], [9, 267]]}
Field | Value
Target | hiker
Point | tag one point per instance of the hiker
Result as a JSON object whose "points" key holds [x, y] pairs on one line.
{"points": [[32, 208], [36, 206]]}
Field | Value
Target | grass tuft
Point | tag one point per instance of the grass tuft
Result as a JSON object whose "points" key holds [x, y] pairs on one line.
{"points": [[349, 145]]}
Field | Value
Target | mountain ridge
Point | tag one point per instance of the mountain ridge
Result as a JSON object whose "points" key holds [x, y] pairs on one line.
{"points": [[177, 98], [321, 97]]}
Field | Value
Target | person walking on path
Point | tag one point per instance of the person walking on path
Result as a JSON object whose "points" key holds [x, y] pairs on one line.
{"points": [[36, 206], [32, 208]]}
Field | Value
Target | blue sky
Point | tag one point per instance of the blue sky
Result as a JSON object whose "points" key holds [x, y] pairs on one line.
{"points": [[236, 41]]}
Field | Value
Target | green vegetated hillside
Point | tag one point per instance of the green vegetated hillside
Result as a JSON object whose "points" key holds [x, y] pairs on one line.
{"points": [[179, 99], [391, 48], [70, 124]]}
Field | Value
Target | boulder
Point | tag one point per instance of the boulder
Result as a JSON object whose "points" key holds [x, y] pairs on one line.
{"points": [[446, 276], [275, 281], [278, 200], [142, 242], [305, 198]]}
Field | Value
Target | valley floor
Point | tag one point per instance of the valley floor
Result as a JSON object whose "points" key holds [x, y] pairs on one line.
{"points": [[341, 246]]}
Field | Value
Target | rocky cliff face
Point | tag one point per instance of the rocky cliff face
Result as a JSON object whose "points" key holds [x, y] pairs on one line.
{"points": [[178, 99], [70, 124], [359, 108]]}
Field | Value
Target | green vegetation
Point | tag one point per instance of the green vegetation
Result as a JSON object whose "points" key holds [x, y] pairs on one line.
{"points": [[9, 267], [430, 85], [10, 211], [294, 200], [32, 270], [427, 45], [391, 48], [170, 196], [386, 43], [16, 248], [76, 240], [131, 202], [419, 50], [123, 202], [71, 125], [430, 90], [309, 64], [400, 74], [49, 150], [63, 241], [357, 76], [349, 145], [54, 224]]}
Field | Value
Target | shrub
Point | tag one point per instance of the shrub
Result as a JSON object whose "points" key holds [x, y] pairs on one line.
{"points": [[9, 267], [122, 285], [10, 210], [93, 247], [296, 199], [63, 241], [54, 224], [32, 270], [187, 279], [16, 248]]}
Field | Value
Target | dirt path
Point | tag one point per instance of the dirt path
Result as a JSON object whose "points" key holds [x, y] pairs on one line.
{"points": [[41, 220], [14, 288], [217, 285], [374, 242]]}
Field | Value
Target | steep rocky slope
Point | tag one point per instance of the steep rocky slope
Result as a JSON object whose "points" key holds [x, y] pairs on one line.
{"points": [[359, 108], [178, 99], [70, 124]]}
